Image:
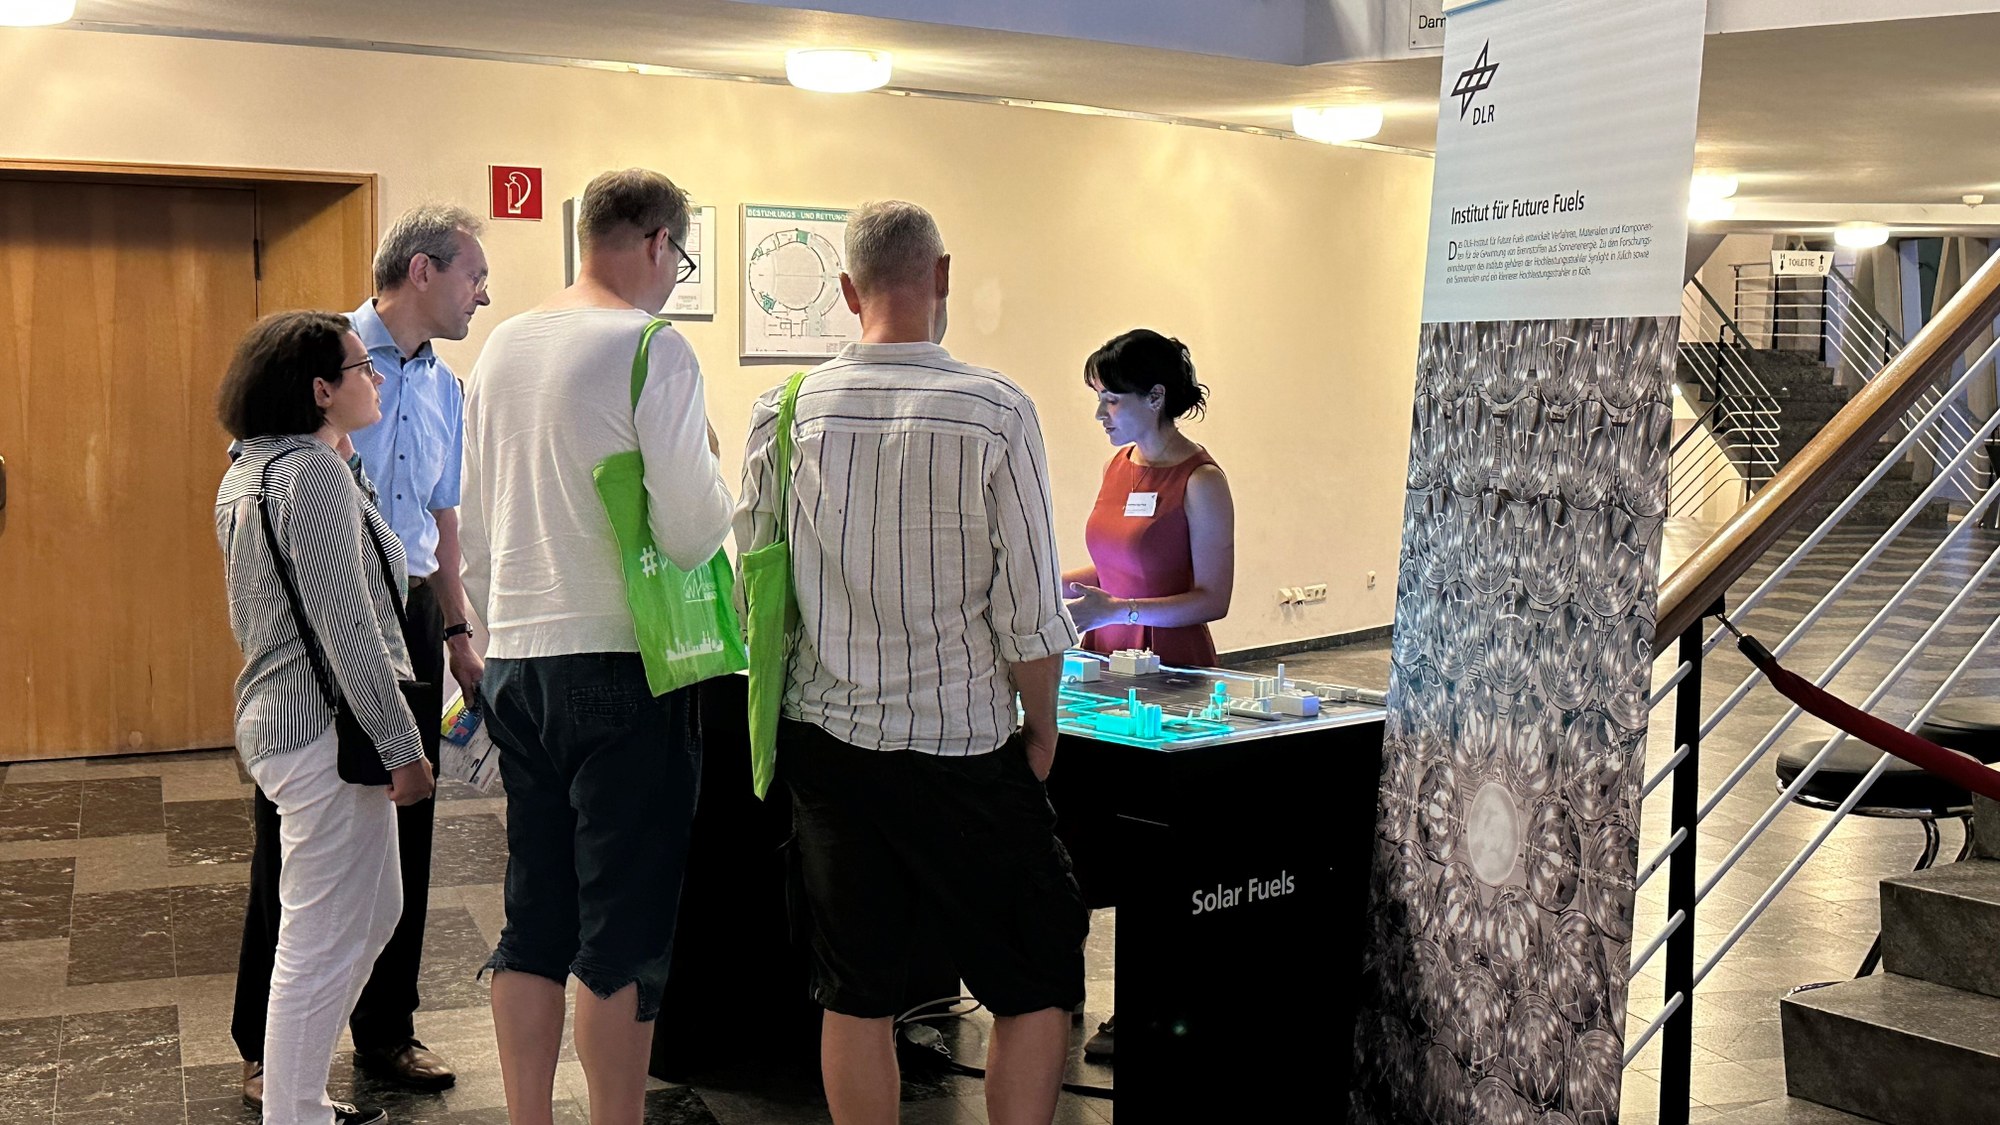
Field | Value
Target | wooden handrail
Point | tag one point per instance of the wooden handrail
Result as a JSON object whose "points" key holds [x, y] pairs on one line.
{"points": [[1707, 574]]}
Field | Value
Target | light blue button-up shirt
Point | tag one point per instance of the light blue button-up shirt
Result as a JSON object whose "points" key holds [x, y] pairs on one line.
{"points": [[414, 453]]}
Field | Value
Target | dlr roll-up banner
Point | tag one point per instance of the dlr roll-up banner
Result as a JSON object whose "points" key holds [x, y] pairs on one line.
{"points": [[1506, 837]]}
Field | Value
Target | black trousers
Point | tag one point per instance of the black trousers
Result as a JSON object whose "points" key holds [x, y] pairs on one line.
{"points": [[383, 1016]]}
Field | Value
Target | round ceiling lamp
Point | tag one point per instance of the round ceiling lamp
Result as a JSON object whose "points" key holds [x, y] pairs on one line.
{"points": [[36, 13], [1861, 236], [1710, 210], [1333, 124], [1708, 185], [837, 70]]}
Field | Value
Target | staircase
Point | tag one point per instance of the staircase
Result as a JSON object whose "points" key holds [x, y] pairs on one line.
{"points": [[1919, 1043], [1808, 398]]}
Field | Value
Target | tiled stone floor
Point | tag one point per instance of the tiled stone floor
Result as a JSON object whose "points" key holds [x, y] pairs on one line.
{"points": [[121, 908], [121, 884]]}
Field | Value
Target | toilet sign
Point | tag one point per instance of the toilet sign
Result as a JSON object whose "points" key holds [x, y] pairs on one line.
{"points": [[517, 192], [1801, 263]]}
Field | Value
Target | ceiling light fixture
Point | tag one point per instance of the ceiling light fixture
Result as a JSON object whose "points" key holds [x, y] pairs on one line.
{"points": [[837, 70], [1710, 186], [36, 13], [1333, 124], [1861, 236], [1710, 210]]}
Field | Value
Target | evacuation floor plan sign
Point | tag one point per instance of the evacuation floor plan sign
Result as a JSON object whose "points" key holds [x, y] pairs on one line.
{"points": [[1506, 839], [792, 306]]}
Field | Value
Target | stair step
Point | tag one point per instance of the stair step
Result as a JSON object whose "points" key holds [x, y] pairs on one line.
{"points": [[1985, 827], [1898, 1049], [1787, 1111], [1943, 925]]}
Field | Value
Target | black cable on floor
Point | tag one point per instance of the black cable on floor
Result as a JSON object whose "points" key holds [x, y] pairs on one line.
{"points": [[922, 1014]]}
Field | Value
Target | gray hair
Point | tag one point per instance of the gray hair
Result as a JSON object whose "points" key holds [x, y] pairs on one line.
{"points": [[636, 198], [891, 243], [428, 230]]}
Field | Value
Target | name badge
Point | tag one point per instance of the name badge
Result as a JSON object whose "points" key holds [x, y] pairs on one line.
{"points": [[1141, 503]]}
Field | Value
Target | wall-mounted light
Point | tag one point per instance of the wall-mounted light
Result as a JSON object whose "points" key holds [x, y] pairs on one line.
{"points": [[1861, 236], [1710, 210], [1709, 185], [35, 13], [837, 70], [1336, 123]]}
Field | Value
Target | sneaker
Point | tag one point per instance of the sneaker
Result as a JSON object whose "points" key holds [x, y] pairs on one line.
{"points": [[347, 1113], [1098, 1047]]}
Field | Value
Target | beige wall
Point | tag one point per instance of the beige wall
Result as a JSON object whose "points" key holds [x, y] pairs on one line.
{"points": [[1293, 271]]}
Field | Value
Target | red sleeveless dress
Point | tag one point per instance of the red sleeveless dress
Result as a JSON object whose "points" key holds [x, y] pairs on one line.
{"points": [[1146, 556]]}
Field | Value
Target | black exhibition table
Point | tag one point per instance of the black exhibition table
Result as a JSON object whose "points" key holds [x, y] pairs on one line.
{"points": [[1238, 866]]}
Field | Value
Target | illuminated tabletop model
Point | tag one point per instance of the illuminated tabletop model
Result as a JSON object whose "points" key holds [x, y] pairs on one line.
{"points": [[1130, 699]]}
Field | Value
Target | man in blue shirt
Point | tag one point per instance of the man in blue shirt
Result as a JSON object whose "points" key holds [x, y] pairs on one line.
{"points": [[430, 278]]}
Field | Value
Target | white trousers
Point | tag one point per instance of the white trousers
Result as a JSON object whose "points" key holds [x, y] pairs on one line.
{"points": [[342, 892]]}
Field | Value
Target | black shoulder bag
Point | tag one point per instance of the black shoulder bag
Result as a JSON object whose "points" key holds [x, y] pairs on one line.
{"points": [[358, 761]]}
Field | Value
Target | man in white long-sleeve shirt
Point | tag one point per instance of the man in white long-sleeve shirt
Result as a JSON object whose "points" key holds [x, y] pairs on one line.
{"points": [[601, 776]]}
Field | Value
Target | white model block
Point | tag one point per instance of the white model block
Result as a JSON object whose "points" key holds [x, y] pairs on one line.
{"points": [[1134, 662], [1296, 703], [1081, 669]]}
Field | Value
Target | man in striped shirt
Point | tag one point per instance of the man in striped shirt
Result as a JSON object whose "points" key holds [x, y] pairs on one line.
{"points": [[923, 556]]}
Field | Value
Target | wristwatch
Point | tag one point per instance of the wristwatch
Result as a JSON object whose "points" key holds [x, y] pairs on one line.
{"points": [[1131, 613], [462, 629]]}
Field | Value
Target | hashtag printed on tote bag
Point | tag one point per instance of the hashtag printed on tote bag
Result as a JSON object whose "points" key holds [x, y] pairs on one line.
{"points": [[687, 626], [771, 608]]}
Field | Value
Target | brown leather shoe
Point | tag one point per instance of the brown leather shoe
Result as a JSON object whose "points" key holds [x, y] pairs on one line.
{"points": [[253, 1085], [412, 1065]]}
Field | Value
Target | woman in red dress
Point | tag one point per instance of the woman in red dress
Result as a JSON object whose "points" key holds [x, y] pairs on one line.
{"points": [[1162, 535]]}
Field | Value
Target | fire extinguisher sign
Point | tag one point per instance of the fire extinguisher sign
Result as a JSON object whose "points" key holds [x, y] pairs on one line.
{"points": [[517, 192]]}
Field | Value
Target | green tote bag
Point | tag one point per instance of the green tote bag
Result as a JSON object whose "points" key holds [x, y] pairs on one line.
{"points": [[686, 623], [772, 609]]}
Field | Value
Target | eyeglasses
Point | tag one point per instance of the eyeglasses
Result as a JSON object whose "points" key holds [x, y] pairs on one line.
{"points": [[444, 265], [686, 270], [368, 363]]}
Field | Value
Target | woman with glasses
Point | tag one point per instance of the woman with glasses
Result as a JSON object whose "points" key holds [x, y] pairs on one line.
{"points": [[315, 585], [1162, 535]]}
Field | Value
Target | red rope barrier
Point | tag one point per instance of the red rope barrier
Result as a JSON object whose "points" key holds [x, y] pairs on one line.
{"points": [[1961, 769]]}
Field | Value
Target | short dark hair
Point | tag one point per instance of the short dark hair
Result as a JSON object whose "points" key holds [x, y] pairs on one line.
{"points": [[1142, 359], [635, 198], [269, 387]]}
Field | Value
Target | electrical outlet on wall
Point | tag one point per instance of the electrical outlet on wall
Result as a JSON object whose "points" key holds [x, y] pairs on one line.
{"points": [[1371, 580]]}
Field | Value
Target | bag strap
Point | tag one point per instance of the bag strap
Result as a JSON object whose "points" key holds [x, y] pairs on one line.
{"points": [[309, 639], [782, 458], [642, 359]]}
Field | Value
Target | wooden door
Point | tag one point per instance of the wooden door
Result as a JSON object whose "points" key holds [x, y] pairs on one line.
{"points": [[120, 306]]}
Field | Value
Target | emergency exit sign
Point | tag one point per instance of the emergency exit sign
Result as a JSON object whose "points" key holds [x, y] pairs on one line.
{"points": [[517, 192]]}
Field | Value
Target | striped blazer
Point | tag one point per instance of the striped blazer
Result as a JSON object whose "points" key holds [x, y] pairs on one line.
{"points": [[323, 523]]}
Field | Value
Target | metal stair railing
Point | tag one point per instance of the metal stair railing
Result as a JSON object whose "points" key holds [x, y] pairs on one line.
{"points": [[1860, 335], [1741, 414], [1680, 927], [1824, 317]]}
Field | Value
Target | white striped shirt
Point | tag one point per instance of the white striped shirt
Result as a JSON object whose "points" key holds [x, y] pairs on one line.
{"points": [[923, 547], [323, 525]]}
